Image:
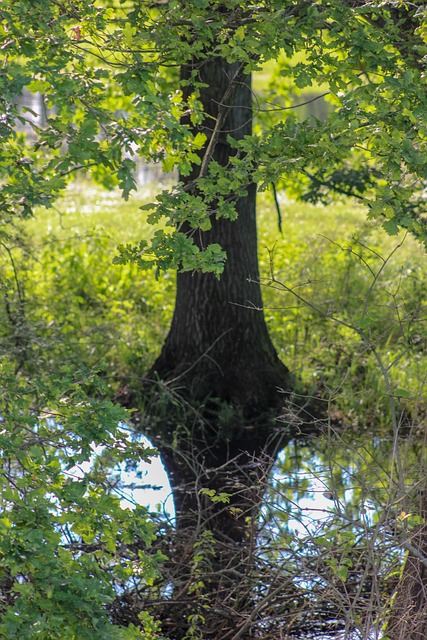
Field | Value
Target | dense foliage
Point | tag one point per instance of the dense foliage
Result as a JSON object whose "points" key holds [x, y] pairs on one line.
{"points": [[109, 74], [67, 543], [70, 540]]}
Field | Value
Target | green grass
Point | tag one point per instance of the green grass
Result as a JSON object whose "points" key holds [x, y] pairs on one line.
{"points": [[83, 308], [85, 207], [343, 268], [79, 306]]}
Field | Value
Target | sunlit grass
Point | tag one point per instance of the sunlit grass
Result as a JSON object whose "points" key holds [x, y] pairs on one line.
{"points": [[338, 263], [345, 296], [86, 206]]}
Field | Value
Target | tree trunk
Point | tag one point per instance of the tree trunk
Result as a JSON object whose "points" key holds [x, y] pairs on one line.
{"points": [[218, 344]]}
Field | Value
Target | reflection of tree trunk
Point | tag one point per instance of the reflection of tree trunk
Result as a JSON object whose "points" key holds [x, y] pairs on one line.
{"points": [[408, 620]]}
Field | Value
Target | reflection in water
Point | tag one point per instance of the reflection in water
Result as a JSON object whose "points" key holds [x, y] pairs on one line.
{"points": [[147, 485]]}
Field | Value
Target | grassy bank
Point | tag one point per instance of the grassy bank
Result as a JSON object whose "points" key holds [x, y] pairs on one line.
{"points": [[339, 294]]}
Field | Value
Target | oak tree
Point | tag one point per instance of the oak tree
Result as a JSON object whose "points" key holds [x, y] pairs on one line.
{"points": [[170, 82]]}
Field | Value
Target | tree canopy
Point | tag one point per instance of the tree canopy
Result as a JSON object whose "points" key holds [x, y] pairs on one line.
{"points": [[109, 74]]}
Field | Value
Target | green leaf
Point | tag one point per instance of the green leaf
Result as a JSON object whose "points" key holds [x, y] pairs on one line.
{"points": [[402, 393], [342, 572], [391, 227]]}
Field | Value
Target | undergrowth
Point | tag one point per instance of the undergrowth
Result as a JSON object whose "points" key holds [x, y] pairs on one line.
{"points": [[329, 276]]}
